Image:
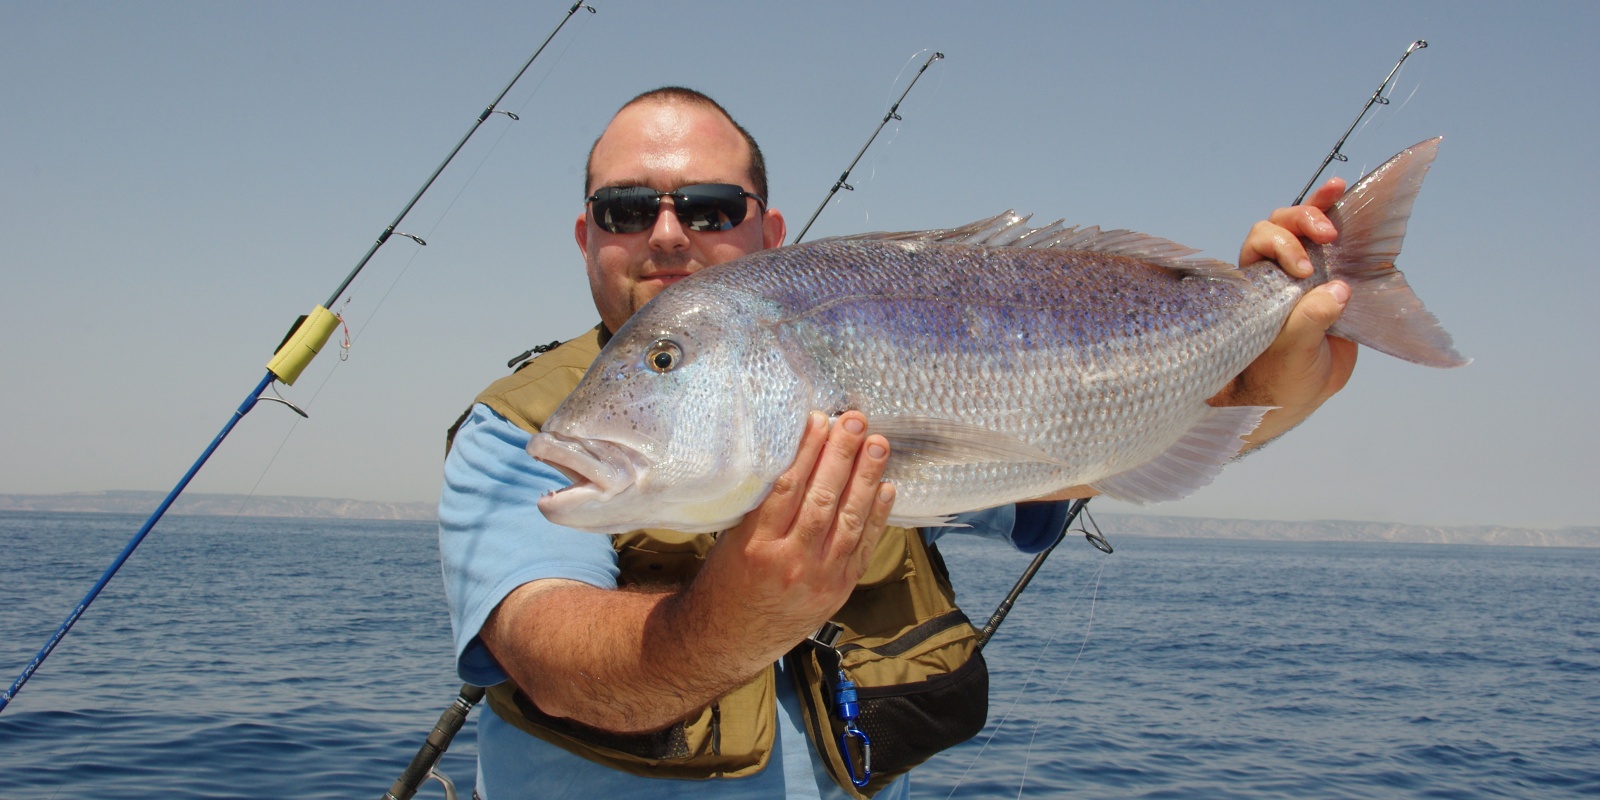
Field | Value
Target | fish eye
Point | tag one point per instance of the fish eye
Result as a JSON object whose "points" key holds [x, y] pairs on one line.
{"points": [[663, 356]]}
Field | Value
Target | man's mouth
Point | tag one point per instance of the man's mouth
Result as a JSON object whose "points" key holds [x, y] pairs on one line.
{"points": [[665, 278]]}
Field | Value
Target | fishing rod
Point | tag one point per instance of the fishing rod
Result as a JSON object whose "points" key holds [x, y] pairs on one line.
{"points": [[1377, 98], [1095, 538], [305, 339], [1078, 507], [844, 176]]}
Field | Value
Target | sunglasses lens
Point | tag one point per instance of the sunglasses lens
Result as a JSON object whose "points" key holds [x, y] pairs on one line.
{"points": [[625, 209], [709, 207]]}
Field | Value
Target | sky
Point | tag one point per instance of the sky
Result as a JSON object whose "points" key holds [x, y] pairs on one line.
{"points": [[180, 180]]}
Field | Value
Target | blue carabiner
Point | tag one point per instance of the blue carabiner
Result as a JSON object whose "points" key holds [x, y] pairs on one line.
{"points": [[852, 732], [846, 707]]}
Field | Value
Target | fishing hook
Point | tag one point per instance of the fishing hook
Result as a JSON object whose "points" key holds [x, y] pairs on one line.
{"points": [[893, 114], [1376, 99]]}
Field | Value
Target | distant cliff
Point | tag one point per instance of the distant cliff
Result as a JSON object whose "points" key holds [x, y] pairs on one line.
{"points": [[219, 505], [1343, 531], [1112, 524]]}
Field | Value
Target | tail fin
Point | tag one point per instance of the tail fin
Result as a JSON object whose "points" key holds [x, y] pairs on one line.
{"points": [[1383, 313]]}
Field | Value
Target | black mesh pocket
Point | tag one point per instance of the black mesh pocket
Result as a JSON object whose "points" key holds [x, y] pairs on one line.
{"points": [[910, 722]]}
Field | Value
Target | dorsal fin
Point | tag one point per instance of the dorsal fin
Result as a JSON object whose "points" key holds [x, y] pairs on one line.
{"points": [[1010, 229]]}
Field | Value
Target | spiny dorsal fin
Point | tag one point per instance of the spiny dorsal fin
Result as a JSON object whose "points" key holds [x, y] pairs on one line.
{"points": [[1011, 230]]}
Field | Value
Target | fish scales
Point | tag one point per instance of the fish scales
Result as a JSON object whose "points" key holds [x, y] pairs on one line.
{"points": [[1002, 362], [1072, 352]]}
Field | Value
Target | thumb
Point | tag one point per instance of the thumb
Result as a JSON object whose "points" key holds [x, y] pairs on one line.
{"points": [[1316, 312]]}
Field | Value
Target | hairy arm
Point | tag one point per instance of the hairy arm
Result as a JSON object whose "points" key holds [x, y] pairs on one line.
{"points": [[639, 661]]}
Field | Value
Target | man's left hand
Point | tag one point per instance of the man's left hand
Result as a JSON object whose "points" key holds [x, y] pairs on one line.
{"points": [[1304, 366]]}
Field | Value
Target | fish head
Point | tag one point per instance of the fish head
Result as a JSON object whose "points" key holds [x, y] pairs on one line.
{"points": [[684, 420]]}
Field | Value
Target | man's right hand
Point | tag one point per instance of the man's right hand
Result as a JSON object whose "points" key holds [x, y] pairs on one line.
{"points": [[793, 561], [633, 661]]}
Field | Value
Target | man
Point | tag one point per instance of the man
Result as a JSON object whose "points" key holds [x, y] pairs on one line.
{"points": [[594, 671]]}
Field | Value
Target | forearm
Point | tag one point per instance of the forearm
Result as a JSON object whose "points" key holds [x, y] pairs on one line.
{"points": [[636, 661], [623, 661]]}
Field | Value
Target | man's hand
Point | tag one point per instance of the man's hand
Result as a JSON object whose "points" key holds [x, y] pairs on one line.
{"points": [[635, 661], [1304, 366], [793, 561]]}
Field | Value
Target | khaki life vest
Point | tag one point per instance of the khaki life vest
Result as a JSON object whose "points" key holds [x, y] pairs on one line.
{"points": [[921, 680]]}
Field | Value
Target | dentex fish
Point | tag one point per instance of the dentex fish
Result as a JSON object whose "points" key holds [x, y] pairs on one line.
{"points": [[1002, 362]]}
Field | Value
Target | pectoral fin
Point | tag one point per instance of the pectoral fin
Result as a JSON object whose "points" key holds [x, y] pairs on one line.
{"points": [[1192, 462], [929, 441]]}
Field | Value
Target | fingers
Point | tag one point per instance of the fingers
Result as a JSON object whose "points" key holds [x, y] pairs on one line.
{"points": [[777, 512], [1326, 194], [838, 484], [861, 501], [867, 543], [1277, 238], [830, 501], [1308, 323], [1272, 241], [1305, 335], [1303, 366]]}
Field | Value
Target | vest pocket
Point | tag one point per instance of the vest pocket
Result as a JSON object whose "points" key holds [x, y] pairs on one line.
{"points": [[730, 738], [920, 691], [909, 723]]}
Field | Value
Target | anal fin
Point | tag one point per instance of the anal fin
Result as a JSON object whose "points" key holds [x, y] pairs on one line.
{"points": [[1190, 463]]}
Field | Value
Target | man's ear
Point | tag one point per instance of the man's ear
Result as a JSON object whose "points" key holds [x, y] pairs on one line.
{"points": [[580, 233], [772, 228]]}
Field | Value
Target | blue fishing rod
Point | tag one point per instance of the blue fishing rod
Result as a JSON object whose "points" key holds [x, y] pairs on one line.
{"points": [[305, 339]]}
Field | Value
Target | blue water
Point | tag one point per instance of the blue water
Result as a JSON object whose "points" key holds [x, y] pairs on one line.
{"points": [[296, 658]]}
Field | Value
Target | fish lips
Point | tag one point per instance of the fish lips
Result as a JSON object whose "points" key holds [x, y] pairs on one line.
{"points": [[599, 470]]}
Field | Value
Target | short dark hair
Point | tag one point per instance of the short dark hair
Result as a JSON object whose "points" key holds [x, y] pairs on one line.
{"points": [[680, 95]]}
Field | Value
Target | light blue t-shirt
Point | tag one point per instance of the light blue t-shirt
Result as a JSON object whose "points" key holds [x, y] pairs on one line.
{"points": [[493, 539]]}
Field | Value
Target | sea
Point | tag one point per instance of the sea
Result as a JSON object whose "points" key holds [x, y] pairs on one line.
{"points": [[276, 657]]}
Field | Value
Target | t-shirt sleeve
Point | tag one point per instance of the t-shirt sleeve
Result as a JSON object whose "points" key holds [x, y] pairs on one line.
{"points": [[1029, 527], [493, 539]]}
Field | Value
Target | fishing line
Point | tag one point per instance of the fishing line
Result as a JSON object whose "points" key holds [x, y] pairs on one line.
{"points": [[1065, 679], [1038, 662], [470, 178], [894, 130], [845, 176], [351, 337], [1383, 121], [1378, 98]]}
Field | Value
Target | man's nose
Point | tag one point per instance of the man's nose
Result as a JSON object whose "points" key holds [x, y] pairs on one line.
{"points": [[668, 233]]}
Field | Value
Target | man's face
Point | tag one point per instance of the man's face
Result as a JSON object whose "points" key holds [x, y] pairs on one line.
{"points": [[665, 146]]}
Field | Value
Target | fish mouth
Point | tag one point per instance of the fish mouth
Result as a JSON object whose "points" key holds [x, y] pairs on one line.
{"points": [[599, 469]]}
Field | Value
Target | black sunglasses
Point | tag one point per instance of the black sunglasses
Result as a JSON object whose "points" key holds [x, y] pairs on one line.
{"points": [[701, 207]]}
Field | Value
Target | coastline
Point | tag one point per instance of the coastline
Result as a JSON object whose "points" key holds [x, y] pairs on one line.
{"points": [[142, 502]]}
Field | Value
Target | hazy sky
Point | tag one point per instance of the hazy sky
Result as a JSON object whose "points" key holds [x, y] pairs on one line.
{"points": [[180, 180]]}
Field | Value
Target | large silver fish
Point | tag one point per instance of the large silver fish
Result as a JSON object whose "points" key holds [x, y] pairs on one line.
{"points": [[1002, 362]]}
